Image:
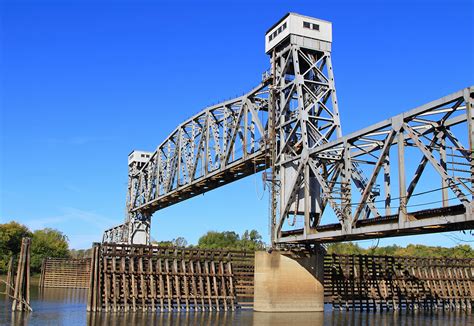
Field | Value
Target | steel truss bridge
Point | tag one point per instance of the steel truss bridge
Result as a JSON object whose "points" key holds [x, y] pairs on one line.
{"points": [[325, 187]]}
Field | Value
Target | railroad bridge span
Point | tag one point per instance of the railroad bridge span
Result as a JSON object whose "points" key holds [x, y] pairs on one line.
{"points": [[409, 174], [358, 186]]}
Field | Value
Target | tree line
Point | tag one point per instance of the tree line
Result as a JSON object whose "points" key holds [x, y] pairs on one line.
{"points": [[44, 243], [411, 250], [249, 240], [54, 244], [51, 243]]}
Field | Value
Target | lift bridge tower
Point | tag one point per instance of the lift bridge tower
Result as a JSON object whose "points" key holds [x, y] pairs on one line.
{"points": [[303, 114]]}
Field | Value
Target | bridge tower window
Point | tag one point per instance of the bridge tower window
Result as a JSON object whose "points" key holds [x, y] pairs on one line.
{"points": [[311, 26]]}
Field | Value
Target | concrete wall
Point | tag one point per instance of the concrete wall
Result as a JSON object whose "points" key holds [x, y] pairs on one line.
{"points": [[289, 282]]}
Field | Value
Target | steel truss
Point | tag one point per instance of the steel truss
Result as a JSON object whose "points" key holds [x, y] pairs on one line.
{"points": [[221, 144], [290, 123], [347, 170], [304, 116]]}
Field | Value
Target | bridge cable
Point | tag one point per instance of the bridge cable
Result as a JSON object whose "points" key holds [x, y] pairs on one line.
{"points": [[256, 183]]}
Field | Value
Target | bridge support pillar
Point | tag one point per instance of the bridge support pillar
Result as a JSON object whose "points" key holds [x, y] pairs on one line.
{"points": [[289, 281]]}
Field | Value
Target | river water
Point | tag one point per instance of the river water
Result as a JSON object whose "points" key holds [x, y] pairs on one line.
{"points": [[68, 307]]}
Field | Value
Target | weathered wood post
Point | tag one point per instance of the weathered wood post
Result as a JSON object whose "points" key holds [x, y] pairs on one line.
{"points": [[94, 294], [21, 296], [142, 278], [41, 280], [9, 282]]}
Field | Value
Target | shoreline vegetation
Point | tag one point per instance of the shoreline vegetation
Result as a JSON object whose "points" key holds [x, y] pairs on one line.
{"points": [[54, 244]]}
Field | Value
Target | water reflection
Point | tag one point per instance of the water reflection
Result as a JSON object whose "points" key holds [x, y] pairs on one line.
{"points": [[289, 318], [336, 318], [402, 318], [20, 318], [63, 295], [181, 318], [68, 307]]}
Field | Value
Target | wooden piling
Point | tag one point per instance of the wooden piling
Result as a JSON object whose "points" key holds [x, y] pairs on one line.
{"points": [[159, 269], [168, 279], [94, 297], [21, 296], [391, 283], [9, 281], [65, 273], [150, 278]]}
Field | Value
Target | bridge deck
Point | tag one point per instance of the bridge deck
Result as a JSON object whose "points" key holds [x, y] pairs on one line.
{"points": [[441, 219], [233, 172]]}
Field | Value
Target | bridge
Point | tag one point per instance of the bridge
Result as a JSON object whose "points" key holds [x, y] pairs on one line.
{"points": [[324, 186]]}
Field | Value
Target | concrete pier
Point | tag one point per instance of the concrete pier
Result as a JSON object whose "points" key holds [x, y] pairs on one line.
{"points": [[289, 282]]}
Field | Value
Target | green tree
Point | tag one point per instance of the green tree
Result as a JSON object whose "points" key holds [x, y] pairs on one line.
{"points": [[219, 240], [250, 240], [47, 243], [384, 251], [463, 251], [162, 243], [411, 250], [80, 253], [347, 248], [10, 242], [180, 242]]}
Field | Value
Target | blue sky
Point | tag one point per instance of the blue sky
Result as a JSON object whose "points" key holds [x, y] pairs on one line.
{"points": [[85, 82]]}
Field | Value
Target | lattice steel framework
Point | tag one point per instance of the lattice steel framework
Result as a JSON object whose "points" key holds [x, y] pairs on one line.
{"points": [[305, 114], [349, 169], [221, 144]]}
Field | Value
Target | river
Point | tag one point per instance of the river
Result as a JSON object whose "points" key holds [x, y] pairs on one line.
{"points": [[68, 307]]}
